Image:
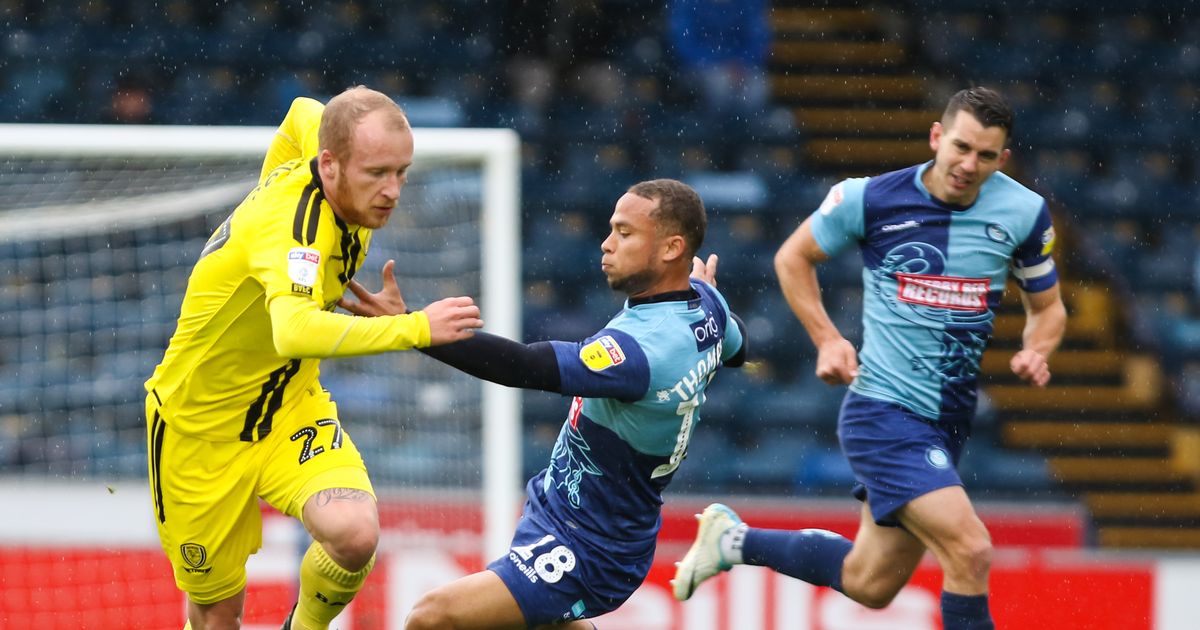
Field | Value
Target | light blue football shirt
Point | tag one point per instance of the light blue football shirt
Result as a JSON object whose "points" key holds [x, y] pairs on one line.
{"points": [[932, 274], [638, 383]]}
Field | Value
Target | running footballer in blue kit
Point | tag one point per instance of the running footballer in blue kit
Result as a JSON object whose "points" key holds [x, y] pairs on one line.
{"points": [[586, 539], [939, 241]]}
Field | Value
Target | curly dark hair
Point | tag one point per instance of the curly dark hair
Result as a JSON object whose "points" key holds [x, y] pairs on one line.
{"points": [[680, 210]]}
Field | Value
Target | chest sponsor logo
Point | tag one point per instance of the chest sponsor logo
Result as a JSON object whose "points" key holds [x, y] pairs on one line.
{"points": [[959, 294], [602, 354], [302, 265]]}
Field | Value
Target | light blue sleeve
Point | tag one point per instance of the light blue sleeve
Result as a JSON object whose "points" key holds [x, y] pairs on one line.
{"points": [[839, 221]]}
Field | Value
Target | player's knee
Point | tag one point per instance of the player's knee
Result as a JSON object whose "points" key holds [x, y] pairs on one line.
{"points": [[972, 557], [432, 612], [353, 548], [876, 596], [873, 589], [216, 617]]}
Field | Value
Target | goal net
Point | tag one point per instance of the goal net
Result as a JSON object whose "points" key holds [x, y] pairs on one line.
{"points": [[99, 229]]}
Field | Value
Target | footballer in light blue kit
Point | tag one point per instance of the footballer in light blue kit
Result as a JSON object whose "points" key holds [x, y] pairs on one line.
{"points": [[586, 539], [939, 241]]}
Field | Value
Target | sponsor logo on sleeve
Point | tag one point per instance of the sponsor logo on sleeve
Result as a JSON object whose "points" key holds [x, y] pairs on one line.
{"points": [[1048, 241], [602, 354], [835, 197], [302, 266], [706, 332], [958, 294]]}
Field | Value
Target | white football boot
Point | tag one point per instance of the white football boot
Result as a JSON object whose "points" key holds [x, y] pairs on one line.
{"points": [[704, 559]]}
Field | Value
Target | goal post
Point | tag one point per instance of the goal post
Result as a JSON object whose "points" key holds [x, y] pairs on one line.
{"points": [[42, 215]]}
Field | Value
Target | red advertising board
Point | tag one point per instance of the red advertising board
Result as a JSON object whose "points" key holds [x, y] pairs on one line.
{"points": [[1052, 585]]}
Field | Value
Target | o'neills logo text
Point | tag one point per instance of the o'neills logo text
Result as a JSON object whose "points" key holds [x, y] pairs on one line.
{"points": [[960, 294]]}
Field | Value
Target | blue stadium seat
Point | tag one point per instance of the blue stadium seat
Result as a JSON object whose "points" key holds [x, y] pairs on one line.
{"points": [[709, 465], [824, 471], [769, 461], [729, 191]]}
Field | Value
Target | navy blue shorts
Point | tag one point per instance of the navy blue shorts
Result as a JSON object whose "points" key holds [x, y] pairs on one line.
{"points": [[556, 574], [897, 455]]}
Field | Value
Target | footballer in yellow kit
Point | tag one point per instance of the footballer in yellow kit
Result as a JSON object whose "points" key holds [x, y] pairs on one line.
{"points": [[235, 410]]}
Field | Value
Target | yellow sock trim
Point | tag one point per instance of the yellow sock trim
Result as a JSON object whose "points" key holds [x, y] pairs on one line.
{"points": [[325, 589]]}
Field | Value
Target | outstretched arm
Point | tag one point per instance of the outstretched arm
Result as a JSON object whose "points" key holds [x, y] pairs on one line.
{"points": [[486, 356], [450, 319], [795, 264], [503, 361], [1045, 323]]}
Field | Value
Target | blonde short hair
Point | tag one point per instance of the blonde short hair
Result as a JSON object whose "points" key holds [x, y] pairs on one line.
{"points": [[346, 110]]}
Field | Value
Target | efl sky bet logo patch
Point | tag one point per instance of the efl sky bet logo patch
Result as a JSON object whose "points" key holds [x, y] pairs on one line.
{"points": [[302, 265], [602, 354]]}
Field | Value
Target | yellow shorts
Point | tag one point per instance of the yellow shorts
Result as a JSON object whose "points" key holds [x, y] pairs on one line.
{"points": [[206, 493]]}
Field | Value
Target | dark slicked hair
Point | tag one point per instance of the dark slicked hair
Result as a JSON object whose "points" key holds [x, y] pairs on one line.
{"points": [[986, 105], [680, 210]]}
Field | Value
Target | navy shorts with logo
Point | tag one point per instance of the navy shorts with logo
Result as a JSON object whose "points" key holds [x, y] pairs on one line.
{"points": [[557, 573], [897, 455]]}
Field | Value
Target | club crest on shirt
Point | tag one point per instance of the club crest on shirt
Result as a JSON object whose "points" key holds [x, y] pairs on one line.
{"points": [[602, 354], [997, 233], [302, 265]]}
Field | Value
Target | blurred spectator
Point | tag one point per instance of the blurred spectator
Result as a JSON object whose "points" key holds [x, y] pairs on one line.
{"points": [[722, 45], [131, 101]]}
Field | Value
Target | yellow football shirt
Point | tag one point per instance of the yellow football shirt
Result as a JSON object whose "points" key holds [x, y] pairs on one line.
{"points": [[257, 314]]}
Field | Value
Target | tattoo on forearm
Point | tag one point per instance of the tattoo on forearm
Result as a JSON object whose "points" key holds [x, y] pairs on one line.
{"points": [[325, 497]]}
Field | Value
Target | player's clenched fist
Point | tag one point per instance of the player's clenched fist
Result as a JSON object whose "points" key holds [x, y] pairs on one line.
{"points": [[452, 319], [1031, 366], [837, 362]]}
